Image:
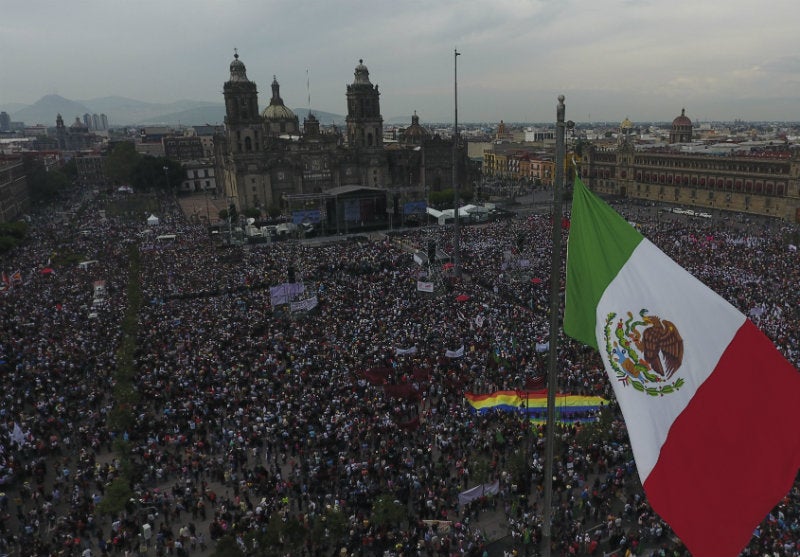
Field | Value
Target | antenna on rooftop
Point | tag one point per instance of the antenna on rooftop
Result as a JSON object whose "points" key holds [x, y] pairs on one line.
{"points": [[308, 90]]}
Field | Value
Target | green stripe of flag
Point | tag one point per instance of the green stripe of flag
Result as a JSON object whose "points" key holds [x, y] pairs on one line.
{"points": [[600, 242]]}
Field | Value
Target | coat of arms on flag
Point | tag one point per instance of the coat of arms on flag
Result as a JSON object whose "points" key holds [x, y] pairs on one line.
{"points": [[644, 352]]}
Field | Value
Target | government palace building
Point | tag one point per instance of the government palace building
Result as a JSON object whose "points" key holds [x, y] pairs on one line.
{"points": [[756, 178]]}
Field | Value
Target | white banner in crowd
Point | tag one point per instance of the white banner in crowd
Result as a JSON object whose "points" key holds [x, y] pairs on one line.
{"points": [[423, 286], [455, 353], [478, 491], [304, 305], [543, 346], [282, 293], [401, 351]]}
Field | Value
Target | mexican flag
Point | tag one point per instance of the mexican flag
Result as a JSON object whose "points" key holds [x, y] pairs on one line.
{"points": [[709, 403]]}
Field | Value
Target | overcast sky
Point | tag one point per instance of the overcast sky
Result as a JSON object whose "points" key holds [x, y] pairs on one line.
{"points": [[642, 59]]}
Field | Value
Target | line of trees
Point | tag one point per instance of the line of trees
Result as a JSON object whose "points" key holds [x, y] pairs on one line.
{"points": [[125, 166]]}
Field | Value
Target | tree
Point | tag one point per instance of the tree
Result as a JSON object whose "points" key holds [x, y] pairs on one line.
{"points": [[227, 547], [121, 162], [11, 234], [70, 170], [149, 174], [116, 497], [252, 212], [442, 198], [329, 528], [282, 536], [44, 185], [386, 512]]}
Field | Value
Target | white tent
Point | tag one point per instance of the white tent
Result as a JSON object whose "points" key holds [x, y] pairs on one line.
{"points": [[152, 220]]}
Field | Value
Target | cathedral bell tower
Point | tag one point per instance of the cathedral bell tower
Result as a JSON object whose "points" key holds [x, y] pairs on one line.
{"points": [[364, 120], [242, 120]]}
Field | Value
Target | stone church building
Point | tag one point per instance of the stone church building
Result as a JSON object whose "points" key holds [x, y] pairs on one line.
{"points": [[267, 160]]}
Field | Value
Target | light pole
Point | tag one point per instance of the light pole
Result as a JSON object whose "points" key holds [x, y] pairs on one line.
{"points": [[166, 179], [456, 224], [555, 286]]}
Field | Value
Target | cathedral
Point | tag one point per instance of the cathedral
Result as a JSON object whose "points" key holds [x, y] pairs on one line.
{"points": [[267, 161]]}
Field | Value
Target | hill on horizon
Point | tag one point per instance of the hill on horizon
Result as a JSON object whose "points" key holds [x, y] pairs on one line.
{"points": [[122, 111]]}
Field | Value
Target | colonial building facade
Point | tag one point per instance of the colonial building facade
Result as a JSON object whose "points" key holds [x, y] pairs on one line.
{"points": [[759, 181], [263, 159], [14, 199]]}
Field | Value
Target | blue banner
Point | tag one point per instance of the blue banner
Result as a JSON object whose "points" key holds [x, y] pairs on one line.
{"points": [[414, 207], [299, 217], [352, 210]]}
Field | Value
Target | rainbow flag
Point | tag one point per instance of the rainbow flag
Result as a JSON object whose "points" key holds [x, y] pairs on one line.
{"points": [[569, 408]]}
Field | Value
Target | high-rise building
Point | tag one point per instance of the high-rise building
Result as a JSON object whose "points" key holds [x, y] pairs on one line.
{"points": [[5, 122]]}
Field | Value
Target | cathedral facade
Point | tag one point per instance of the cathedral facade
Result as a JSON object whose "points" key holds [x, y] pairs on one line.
{"points": [[266, 159]]}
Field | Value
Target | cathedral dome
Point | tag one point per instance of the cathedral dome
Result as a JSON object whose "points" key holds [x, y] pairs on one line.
{"points": [[681, 129], [278, 112], [682, 120], [78, 126], [415, 133], [626, 124], [276, 109], [279, 118]]}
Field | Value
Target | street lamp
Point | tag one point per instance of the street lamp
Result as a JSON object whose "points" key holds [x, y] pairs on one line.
{"points": [[166, 178], [457, 197]]}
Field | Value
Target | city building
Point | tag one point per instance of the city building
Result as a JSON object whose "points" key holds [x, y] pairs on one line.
{"points": [[183, 148], [76, 137], [756, 178], [199, 177], [518, 161], [95, 122], [14, 196], [91, 169]]}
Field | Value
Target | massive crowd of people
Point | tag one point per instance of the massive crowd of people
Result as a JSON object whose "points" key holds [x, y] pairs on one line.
{"points": [[341, 429]]}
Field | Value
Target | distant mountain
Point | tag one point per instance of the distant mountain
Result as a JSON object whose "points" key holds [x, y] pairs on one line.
{"points": [[122, 111], [209, 114], [46, 110], [11, 108]]}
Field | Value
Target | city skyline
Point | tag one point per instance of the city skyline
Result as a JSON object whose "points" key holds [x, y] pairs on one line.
{"points": [[612, 59]]}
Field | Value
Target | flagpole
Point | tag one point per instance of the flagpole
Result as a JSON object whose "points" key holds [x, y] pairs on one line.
{"points": [[555, 289], [456, 196]]}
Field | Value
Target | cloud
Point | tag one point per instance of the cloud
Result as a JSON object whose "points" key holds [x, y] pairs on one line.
{"points": [[516, 54]]}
